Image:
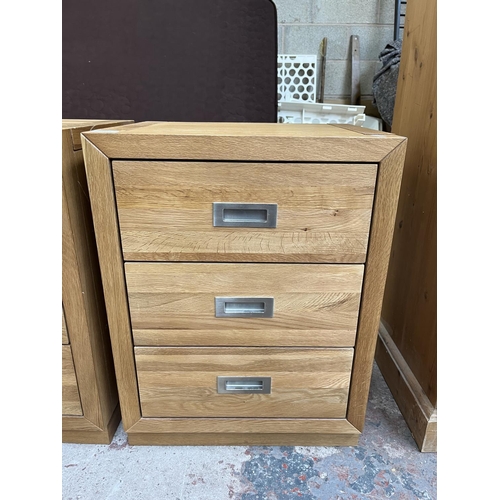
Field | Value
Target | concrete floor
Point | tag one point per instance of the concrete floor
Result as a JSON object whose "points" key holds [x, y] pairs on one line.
{"points": [[385, 464]]}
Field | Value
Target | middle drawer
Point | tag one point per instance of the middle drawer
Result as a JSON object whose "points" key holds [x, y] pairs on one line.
{"points": [[201, 304]]}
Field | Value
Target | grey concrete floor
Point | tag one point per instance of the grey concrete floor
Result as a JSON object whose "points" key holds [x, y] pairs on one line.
{"points": [[385, 464]]}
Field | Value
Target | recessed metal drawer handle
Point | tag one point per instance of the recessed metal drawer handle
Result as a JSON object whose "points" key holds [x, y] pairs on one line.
{"points": [[245, 214], [244, 307], [247, 385]]}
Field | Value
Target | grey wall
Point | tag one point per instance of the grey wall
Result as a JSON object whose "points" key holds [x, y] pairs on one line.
{"points": [[302, 24]]}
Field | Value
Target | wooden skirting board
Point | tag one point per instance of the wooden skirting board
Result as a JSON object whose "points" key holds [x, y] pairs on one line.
{"points": [[419, 413]]}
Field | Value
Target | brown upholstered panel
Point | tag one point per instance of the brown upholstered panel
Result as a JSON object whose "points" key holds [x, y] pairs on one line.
{"points": [[182, 60]]}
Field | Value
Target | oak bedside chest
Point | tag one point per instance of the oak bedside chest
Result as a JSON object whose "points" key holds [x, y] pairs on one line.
{"points": [[90, 411], [243, 269]]}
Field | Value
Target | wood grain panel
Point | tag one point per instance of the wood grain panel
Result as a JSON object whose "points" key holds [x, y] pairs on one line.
{"points": [[410, 300], [70, 397], [81, 430], [419, 413], [216, 439], [377, 261], [165, 211], [74, 423], [82, 296], [244, 425], [65, 338], [108, 245], [239, 431], [77, 295], [76, 127], [174, 303], [242, 142], [181, 382]]}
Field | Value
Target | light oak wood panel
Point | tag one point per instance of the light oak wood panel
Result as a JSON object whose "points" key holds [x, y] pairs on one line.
{"points": [[239, 431], [165, 211], [77, 278], [84, 125], [70, 397], [362, 130], [108, 245], [181, 382], [174, 303], [238, 337], [419, 413], [83, 301], [216, 439], [76, 127], [410, 300], [377, 260], [65, 338], [243, 426], [242, 142], [81, 430], [73, 423]]}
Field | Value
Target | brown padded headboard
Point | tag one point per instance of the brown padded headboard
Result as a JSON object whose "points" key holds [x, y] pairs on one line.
{"points": [[166, 60]]}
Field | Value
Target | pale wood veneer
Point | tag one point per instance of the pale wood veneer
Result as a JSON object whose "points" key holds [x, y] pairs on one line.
{"points": [[314, 304], [89, 384], [165, 211], [180, 382], [65, 339], [157, 377], [70, 398], [407, 347]]}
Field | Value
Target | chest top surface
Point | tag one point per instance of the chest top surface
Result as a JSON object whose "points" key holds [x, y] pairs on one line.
{"points": [[244, 141]]}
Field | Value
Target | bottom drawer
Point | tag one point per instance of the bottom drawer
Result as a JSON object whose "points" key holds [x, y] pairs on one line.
{"points": [[232, 382], [70, 396]]}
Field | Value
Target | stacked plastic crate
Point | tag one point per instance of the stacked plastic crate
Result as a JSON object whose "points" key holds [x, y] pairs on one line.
{"points": [[297, 81]]}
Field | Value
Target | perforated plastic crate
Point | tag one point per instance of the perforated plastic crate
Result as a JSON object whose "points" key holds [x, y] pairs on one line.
{"points": [[295, 112], [297, 78]]}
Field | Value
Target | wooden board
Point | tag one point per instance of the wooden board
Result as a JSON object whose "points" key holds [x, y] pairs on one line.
{"points": [[418, 411], [100, 185], [82, 295], [410, 300], [81, 430], [174, 304], [182, 382], [65, 338], [239, 431], [251, 142], [217, 439], [382, 228], [165, 211], [70, 397], [76, 127], [244, 426]]}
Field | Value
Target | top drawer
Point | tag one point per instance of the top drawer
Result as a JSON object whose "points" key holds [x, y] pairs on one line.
{"points": [[166, 211]]}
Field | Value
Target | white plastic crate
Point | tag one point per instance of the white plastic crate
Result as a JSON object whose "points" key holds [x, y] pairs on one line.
{"points": [[373, 123], [296, 78], [295, 112]]}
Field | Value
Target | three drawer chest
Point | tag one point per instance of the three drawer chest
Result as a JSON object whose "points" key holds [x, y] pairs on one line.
{"points": [[243, 268]]}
